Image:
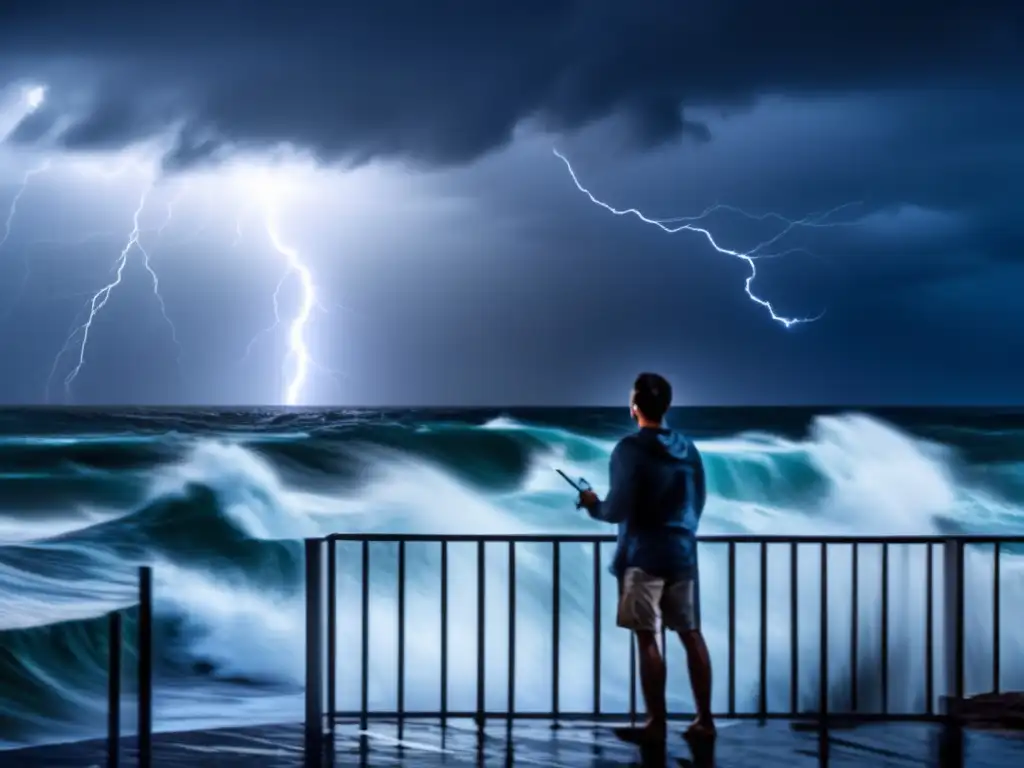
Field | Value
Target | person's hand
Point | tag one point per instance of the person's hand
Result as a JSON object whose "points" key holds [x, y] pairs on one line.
{"points": [[588, 500]]}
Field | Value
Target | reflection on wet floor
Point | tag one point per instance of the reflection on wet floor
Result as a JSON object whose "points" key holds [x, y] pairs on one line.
{"points": [[579, 745]]}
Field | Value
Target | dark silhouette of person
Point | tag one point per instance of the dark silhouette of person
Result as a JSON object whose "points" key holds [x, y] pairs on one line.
{"points": [[656, 496]]}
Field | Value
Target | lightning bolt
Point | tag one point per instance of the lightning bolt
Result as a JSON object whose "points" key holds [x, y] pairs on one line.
{"points": [[171, 204], [155, 279], [298, 350], [9, 225], [102, 296], [689, 224], [298, 362], [13, 209], [239, 218], [277, 316]]}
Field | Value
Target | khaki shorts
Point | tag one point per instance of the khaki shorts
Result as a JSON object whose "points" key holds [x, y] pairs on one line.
{"points": [[645, 602]]}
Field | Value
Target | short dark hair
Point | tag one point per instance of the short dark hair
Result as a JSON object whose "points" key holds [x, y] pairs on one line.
{"points": [[652, 395]]}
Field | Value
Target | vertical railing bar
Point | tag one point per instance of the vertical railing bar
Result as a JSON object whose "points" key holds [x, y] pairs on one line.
{"points": [[929, 640], [951, 735], [824, 742], [762, 697], [364, 654], [823, 650], [556, 611], [664, 649], [696, 589], [597, 627], [996, 616], [316, 673], [794, 630], [632, 678], [444, 634], [732, 628], [400, 694], [145, 665], [332, 631], [511, 631], [959, 691], [114, 640], [885, 628], [854, 626], [480, 633]]}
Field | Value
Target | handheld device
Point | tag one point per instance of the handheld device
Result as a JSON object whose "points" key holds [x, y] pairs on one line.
{"points": [[580, 485]]}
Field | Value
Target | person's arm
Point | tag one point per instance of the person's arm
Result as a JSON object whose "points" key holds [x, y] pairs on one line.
{"points": [[616, 505]]}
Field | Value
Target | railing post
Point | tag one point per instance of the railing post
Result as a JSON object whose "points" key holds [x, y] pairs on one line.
{"points": [[314, 726], [332, 633], [113, 689], [951, 738], [823, 708], [556, 628], [145, 649], [481, 636]]}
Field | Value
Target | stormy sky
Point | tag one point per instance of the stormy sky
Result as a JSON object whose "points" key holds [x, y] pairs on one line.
{"points": [[387, 169]]}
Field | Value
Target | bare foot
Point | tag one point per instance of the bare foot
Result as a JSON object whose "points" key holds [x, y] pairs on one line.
{"points": [[701, 728], [651, 733]]}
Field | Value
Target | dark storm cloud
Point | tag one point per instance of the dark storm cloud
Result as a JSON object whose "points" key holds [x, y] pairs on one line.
{"points": [[443, 82]]}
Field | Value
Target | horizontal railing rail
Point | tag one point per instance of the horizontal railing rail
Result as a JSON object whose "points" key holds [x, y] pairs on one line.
{"points": [[855, 614], [590, 538]]}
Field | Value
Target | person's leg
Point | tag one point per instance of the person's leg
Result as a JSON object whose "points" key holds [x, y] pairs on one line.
{"points": [[652, 681], [639, 612], [679, 608], [698, 662]]}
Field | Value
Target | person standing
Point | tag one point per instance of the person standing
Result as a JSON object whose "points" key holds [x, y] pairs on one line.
{"points": [[656, 496]]}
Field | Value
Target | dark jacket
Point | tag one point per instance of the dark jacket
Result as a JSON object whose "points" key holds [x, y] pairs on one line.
{"points": [[657, 495]]}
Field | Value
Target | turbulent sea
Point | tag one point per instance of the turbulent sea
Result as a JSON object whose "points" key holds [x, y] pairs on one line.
{"points": [[219, 501]]}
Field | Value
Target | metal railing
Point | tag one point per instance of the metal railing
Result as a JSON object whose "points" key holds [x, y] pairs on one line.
{"points": [[144, 694], [947, 651]]}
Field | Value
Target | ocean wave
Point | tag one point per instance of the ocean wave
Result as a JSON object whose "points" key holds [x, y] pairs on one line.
{"points": [[221, 514]]}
